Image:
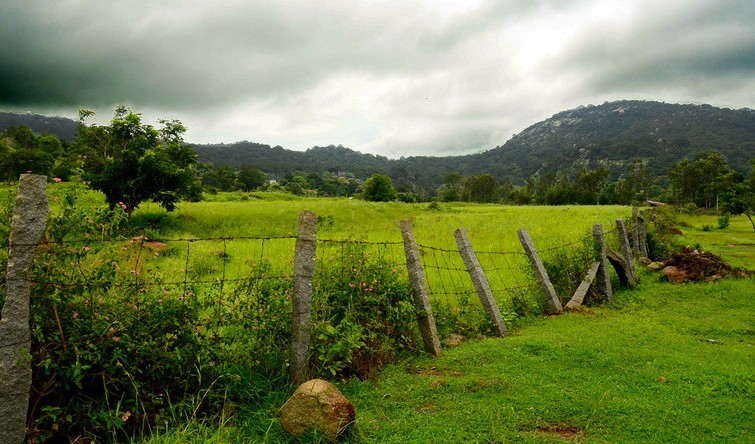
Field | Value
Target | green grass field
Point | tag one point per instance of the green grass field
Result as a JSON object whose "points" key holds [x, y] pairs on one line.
{"points": [[665, 363]]}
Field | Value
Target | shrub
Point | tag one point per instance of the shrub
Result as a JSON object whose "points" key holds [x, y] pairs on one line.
{"points": [[723, 221], [364, 316]]}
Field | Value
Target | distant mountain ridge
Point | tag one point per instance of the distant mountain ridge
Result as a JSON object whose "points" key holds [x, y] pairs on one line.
{"points": [[608, 135], [62, 127]]}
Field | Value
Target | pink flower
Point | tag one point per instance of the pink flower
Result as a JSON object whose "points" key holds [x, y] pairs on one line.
{"points": [[75, 315], [57, 179], [126, 416]]}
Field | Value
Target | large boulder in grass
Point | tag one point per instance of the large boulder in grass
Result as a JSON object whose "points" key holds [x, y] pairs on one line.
{"points": [[317, 405]]}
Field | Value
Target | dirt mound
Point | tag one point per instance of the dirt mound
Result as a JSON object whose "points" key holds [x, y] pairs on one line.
{"points": [[693, 265]]}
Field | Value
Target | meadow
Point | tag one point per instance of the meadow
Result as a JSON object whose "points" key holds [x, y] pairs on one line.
{"points": [[664, 351]]}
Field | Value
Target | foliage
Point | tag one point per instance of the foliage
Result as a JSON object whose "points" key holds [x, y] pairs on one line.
{"points": [[131, 162], [566, 266], [111, 353], [379, 188], [462, 318], [364, 315]]}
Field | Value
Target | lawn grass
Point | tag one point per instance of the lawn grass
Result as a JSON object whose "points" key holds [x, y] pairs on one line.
{"points": [[665, 363]]}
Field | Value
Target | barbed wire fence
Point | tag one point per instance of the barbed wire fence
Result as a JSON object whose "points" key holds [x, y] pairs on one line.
{"points": [[243, 276]]}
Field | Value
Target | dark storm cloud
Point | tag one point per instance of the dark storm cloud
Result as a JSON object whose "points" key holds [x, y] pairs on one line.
{"points": [[386, 76], [704, 47]]}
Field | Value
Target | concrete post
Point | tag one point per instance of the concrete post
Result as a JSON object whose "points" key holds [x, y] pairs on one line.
{"points": [[304, 271], [626, 251], [421, 299], [642, 235], [480, 281], [635, 233], [603, 279], [27, 227], [554, 303]]}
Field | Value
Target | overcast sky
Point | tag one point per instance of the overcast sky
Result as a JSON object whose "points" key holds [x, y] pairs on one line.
{"points": [[406, 77]]}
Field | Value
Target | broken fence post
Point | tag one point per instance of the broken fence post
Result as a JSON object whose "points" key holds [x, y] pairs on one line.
{"points": [[30, 215], [480, 281], [301, 305], [554, 304], [421, 300], [579, 294], [626, 251], [603, 278]]}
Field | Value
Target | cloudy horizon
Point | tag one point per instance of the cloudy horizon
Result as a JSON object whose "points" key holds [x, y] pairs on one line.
{"points": [[395, 78]]}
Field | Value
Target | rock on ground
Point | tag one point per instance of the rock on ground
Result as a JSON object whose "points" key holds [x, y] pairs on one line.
{"points": [[317, 405]]}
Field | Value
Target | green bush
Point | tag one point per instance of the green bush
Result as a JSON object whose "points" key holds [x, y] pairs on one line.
{"points": [[723, 221], [364, 316]]}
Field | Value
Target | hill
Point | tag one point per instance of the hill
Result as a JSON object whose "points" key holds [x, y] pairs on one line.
{"points": [[62, 127], [613, 133], [608, 135]]}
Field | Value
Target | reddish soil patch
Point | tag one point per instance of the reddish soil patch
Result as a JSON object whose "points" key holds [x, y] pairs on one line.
{"points": [[693, 265], [563, 431]]}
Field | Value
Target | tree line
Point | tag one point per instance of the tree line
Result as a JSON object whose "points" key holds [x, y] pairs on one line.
{"points": [[130, 162]]}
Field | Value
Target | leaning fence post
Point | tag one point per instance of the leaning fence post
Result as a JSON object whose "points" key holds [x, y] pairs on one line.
{"points": [[554, 303], [480, 281], [27, 227], [626, 250], [421, 299], [603, 278], [301, 306]]}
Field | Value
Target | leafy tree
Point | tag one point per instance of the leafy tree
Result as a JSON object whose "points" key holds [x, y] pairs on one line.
{"points": [[695, 181], [131, 162], [452, 188], [379, 188], [739, 196], [636, 184], [482, 188], [251, 178]]}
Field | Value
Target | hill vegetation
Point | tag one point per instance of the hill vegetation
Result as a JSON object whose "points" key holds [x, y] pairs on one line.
{"points": [[610, 135]]}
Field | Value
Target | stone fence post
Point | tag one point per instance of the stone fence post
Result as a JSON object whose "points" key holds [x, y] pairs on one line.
{"points": [[301, 305], [421, 299], [480, 281], [27, 228], [603, 279], [626, 251], [554, 303]]}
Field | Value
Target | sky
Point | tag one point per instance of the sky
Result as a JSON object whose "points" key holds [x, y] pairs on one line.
{"points": [[394, 78]]}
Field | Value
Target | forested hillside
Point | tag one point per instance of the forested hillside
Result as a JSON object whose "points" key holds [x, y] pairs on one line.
{"points": [[62, 127], [608, 136]]}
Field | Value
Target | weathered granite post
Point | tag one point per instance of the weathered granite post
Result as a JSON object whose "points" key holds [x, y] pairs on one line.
{"points": [[480, 281], [28, 225], [304, 271], [421, 300], [635, 233], [642, 235], [603, 279], [554, 303], [626, 251]]}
